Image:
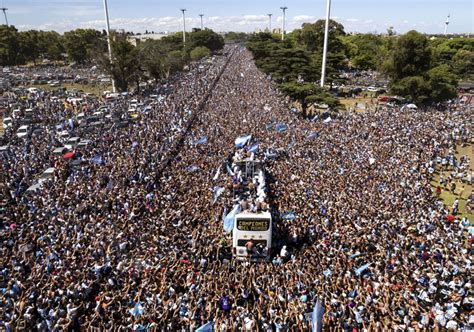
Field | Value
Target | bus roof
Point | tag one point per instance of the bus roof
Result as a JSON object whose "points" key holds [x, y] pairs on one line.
{"points": [[254, 215]]}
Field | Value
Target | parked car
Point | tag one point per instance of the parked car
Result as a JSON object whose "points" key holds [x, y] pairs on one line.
{"points": [[23, 131]]}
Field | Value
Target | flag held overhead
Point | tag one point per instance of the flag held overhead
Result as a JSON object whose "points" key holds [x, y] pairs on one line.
{"points": [[242, 140]]}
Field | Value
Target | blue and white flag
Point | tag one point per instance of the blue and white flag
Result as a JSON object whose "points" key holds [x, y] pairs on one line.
{"points": [[269, 126], [137, 310], [229, 218], [216, 176], [202, 140], [317, 317], [229, 170], [288, 216], [242, 140], [71, 123], [281, 127], [205, 328], [192, 169], [97, 159], [254, 148], [217, 192], [327, 273], [327, 120], [361, 269], [313, 135]]}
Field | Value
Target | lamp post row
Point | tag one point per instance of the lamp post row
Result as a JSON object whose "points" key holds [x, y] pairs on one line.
{"points": [[284, 8]]}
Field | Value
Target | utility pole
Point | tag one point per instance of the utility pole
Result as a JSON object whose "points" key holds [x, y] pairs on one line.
{"points": [[5, 14], [106, 10], [184, 27], [202, 25], [270, 22], [446, 25], [283, 23], [325, 48]]}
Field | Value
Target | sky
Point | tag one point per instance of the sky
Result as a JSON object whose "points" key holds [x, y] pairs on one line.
{"points": [[243, 15]]}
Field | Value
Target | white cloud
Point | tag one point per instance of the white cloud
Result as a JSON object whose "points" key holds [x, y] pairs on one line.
{"points": [[304, 19], [247, 23]]}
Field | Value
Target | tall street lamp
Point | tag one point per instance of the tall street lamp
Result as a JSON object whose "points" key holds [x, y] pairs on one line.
{"points": [[184, 26], [325, 48], [106, 10], [283, 23], [202, 25]]}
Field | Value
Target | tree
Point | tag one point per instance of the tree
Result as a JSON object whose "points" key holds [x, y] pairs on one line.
{"points": [[125, 67], [199, 52], [306, 93], [236, 36], [53, 46], [364, 50], [463, 64], [206, 38], [311, 35], [286, 64], [9, 45], [83, 45], [442, 83], [154, 54], [411, 56], [414, 88], [311, 38]]}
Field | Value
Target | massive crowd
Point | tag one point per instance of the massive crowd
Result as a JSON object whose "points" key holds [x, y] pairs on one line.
{"points": [[136, 240]]}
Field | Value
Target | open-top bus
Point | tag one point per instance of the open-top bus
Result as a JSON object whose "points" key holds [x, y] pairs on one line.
{"points": [[252, 231]]}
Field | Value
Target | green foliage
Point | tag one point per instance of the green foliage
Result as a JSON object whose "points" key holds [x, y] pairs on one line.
{"points": [[415, 88], [20, 47], [463, 64], [83, 45], [457, 53], [307, 93], [199, 52], [236, 36], [411, 56], [125, 67], [311, 36], [365, 50], [9, 45], [206, 38], [442, 83], [421, 75], [280, 59]]}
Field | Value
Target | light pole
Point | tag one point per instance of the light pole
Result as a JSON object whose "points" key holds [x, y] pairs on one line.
{"points": [[283, 23], [202, 25], [184, 27], [325, 48], [106, 10], [445, 27], [270, 22], [5, 14]]}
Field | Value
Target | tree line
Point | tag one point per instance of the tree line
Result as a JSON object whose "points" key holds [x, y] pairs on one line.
{"points": [[150, 59], [421, 68]]}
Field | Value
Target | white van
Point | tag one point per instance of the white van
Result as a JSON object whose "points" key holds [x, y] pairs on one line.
{"points": [[22, 131], [7, 122]]}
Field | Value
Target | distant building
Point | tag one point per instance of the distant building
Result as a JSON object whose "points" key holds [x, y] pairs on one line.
{"points": [[137, 39]]}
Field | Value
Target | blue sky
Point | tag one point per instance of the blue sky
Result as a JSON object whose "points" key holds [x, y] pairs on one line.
{"points": [[244, 15]]}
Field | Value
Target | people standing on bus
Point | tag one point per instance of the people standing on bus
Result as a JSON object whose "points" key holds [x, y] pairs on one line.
{"points": [[284, 253], [249, 245]]}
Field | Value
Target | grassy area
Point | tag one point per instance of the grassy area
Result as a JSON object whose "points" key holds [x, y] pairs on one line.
{"points": [[446, 195], [360, 104], [96, 90]]}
